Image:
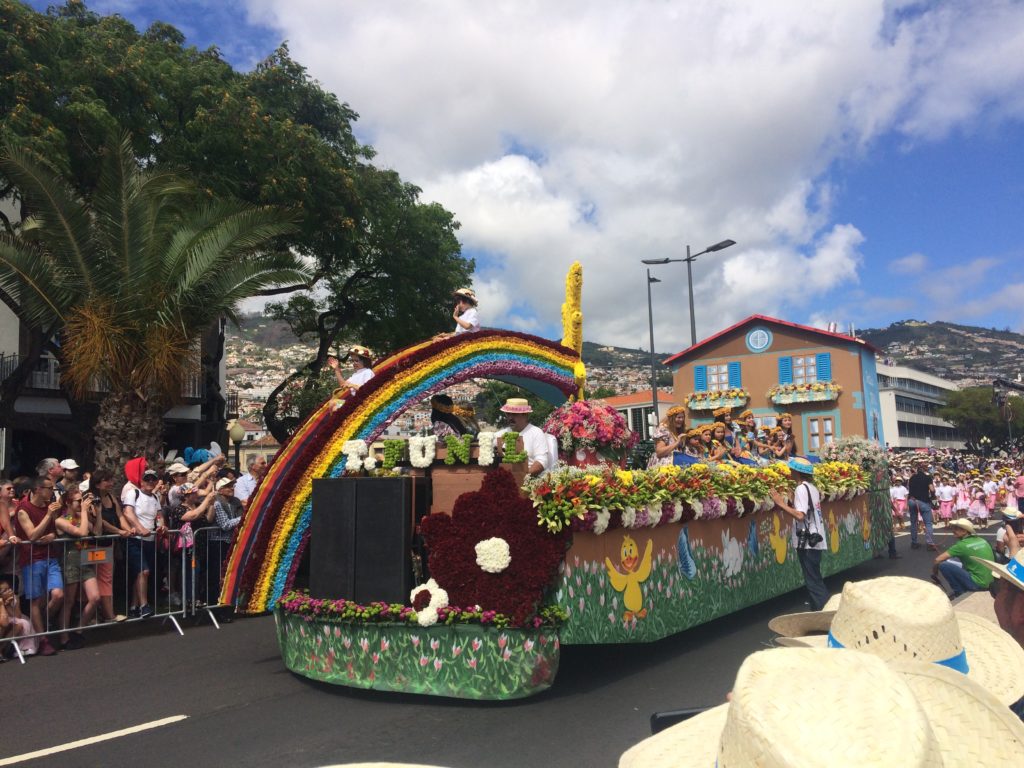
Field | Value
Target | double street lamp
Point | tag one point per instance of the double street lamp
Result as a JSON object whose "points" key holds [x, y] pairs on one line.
{"points": [[650, 322], [689, 280]]}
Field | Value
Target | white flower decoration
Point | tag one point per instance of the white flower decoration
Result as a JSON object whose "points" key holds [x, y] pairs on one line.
{"points": [[354, 451], [422, 451], [438, 599], [604, 517], [485, 441], [493, 555]]}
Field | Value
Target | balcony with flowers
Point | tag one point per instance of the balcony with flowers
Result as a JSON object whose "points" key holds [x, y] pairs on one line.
{"points": [[723, 398], [809, 392]]}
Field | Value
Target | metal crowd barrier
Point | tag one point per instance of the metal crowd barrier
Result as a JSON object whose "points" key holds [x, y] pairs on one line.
{"points": [[210, 551], [102, 562]]}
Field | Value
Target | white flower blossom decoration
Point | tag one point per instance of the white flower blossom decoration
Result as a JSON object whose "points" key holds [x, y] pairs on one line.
{"points": [[493, 555], [422, 451]]}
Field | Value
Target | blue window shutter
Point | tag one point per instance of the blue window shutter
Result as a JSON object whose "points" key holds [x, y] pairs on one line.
{"points": [[785, 370], [700, 378], [735, 382], [824, 365]]}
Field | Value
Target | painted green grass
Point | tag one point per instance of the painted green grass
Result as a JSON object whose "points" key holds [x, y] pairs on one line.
{"points": [[462, 661], [675, 603]]}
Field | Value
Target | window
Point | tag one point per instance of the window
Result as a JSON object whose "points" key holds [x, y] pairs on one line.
{"points": [[805, 370], [913, 405], [927, 431], [718, 377], [821, 432]]}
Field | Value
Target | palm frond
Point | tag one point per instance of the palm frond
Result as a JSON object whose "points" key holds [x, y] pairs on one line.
{"points": [[62, 220], [26, 274], [97, 343]]}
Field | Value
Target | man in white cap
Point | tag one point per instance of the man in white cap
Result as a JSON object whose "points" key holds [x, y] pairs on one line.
{"points": [[70, 479], [965, 573], [535, 443]]}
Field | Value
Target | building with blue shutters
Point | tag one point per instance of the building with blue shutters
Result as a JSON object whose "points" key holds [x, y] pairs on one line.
{"points": [[826, 380]]}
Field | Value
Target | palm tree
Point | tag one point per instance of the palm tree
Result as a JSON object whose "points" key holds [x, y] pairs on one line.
{"points": [[129, 280]]}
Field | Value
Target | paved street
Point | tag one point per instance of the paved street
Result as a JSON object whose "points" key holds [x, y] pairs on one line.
{"points": [[244, 708]]}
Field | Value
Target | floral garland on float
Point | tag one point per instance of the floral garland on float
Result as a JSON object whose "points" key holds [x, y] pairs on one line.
{"points": [[489, 556], [590, 432], [709, 401], [598, 500], [814, 392]]}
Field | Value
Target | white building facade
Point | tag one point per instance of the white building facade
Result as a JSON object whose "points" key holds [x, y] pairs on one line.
{"points": [[910, 400]]}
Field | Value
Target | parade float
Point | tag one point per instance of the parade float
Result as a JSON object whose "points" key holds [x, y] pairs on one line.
{"points": [[436, 569]]}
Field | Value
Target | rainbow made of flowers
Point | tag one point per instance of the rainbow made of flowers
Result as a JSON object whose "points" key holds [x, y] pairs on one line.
{"points": [[273, 533]]}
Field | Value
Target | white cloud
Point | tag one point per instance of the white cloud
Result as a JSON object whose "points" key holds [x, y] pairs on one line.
{"points": [[653, 125], [911, 264]]}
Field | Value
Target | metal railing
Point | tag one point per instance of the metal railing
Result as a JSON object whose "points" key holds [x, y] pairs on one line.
{"points": [[46, 375], [67, 586]]}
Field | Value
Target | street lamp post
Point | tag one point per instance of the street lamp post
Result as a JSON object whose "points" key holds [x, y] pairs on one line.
{"points": [[237, 434], [689, 277], [650, 322]]}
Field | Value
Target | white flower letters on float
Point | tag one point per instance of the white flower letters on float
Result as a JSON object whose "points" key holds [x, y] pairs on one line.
{"points": [[422, 451]]}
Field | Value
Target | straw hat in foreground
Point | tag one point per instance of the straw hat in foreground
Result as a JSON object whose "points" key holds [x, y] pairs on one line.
{"points": [[799, 707], [902, 619], [1012, 572]]}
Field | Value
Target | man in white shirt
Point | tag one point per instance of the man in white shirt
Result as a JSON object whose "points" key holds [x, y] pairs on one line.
{"points": [[465, 315], [535, 442], [246, 484], [809, 532], [144, 517]]}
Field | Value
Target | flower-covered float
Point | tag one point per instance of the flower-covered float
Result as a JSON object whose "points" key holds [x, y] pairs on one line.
{"points": [[514, 572]]}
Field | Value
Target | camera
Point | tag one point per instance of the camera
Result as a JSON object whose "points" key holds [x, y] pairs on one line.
{"points": [[805, 538]]}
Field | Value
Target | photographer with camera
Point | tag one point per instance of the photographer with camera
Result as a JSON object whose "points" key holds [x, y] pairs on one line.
{"points": [[808, 530]]}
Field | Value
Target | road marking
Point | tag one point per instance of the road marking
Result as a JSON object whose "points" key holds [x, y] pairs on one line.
{"points": [[92, 740]]}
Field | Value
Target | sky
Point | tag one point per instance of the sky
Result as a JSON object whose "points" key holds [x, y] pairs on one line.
{"points": [[865, 156]]}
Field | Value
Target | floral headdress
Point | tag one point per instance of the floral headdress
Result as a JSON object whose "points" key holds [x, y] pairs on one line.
{"points": [[723, 411], [718, 424], [780, 416], [675, 409], [746, 414]]}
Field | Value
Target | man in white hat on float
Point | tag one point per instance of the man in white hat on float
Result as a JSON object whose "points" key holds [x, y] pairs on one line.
{"points": [[960, 564], [535, 443]]}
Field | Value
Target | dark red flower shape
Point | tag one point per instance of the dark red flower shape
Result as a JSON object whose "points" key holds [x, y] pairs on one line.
{"points": [[498, 509]]}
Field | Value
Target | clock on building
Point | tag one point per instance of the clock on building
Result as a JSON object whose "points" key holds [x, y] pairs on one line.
{"points": [[759, 339]]}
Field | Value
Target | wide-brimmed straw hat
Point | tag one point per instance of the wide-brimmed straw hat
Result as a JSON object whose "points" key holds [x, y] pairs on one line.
{"points": [[467, 294], [898, 618], [814, 707], [963, 523], [516, 405], [1009, 513], [1012, 572], [359, 351], [800, 464]]}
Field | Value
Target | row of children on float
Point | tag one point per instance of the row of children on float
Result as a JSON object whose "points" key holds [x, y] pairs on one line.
{"points": [[724, 439]]}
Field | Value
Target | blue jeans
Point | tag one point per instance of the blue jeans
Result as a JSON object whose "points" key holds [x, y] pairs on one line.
{"points": [[958, 578], [926, 514]]}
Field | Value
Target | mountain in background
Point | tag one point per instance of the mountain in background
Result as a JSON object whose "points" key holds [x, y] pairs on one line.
{"points": [[964, 354], [275, 334]]}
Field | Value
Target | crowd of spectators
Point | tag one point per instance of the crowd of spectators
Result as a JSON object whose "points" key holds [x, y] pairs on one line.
{"points": [[73, 546]]}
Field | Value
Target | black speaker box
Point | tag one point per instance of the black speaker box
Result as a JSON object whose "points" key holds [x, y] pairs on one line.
{"points": [[361, 535]]}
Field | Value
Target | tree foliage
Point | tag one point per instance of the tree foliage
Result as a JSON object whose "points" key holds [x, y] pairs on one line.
{"points": [[975, 415], [383, 262], [129, 281]]}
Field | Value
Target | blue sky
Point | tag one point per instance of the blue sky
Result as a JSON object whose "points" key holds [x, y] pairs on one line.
{"points": [[865, 157]]}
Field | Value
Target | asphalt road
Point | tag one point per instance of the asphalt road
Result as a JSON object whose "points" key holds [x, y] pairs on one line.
{"points": [[244, 708]]}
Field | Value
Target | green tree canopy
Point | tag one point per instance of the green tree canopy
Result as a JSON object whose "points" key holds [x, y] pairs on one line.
{"points": [[128, 281], [382, 262], [975, 415]]}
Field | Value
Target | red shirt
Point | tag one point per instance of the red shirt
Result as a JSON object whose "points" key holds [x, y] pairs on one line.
{"points": [[30, 553]]}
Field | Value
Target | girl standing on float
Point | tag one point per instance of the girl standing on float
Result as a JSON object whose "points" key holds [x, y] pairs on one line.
{"points": [[946, 495], [784, 421], [719, 446], [693, 448], [669, 437], [705, 431]]}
